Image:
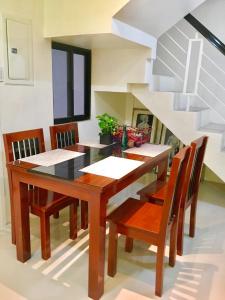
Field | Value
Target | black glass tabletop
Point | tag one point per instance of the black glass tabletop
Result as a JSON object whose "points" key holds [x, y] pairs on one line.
{"points": [[70, 169]]}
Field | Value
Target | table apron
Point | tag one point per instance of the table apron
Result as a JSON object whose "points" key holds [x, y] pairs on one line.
{"points": [[58, 186]]}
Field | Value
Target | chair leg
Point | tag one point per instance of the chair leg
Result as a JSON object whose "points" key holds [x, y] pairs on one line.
{"points": [[129, 244], [84, 214], [173, 244], [159, 270], [180, 231], [13, 231], [13, 234], [56, 215], [45, 236], [73, 221], [193, 217], [112, 255]]}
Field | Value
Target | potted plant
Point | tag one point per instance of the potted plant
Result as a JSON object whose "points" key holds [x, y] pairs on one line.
{"points": [[108, 126]]}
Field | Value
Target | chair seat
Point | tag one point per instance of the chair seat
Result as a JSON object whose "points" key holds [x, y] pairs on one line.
{"points": [[42, 200], [157, 190], [139, 215]]}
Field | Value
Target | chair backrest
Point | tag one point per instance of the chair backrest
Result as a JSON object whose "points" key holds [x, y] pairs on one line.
{"points": [[175, 190], [194, 169], [64, 135], [198, 148], [23, 144]]}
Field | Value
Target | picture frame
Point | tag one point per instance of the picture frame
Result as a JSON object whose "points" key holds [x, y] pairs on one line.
{"points": [[159, 132], [168, 138], [143, 119]]}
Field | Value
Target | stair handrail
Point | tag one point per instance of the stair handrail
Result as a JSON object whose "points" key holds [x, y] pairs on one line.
{"points": [[215, 41]]}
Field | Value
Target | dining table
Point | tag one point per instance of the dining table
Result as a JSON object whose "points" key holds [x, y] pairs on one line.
{"points": [[69, 178]]}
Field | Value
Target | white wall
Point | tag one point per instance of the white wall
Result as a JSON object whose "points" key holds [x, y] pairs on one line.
{"points": [[209, 175], [118, 105], [212, 15], [117, 67], [102, 102], [112, 70], [26, 107], [69, 17]]}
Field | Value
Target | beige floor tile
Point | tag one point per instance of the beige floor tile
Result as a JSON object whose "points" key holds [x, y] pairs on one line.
{"points": [[8, 294], [129, 295], [198, 275]]}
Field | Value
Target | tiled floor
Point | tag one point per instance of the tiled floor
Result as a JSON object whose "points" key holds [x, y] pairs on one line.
{"points": [[198, 275]]}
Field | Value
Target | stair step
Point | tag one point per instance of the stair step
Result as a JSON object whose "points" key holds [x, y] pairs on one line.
{"points": [[213, 127], [193, 108]]}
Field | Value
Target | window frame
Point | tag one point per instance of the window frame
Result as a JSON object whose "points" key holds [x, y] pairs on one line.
{"points": [[70, 50]]}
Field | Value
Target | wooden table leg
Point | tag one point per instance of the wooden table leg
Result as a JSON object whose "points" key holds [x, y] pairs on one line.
{"points": [[97, 248], [162, 169], [84, 214], [22, 222], [13, 234]]}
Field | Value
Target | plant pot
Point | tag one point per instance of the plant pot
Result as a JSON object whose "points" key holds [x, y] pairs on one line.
{"points": [[106, 139]]}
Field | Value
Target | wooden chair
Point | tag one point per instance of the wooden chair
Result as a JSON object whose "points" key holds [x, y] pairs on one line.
{"points": [[155, 191], [64, 135], [43, 203], [150, 222], [198, 148]]}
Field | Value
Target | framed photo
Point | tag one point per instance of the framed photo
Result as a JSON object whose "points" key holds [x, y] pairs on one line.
{"points": [[159, 132], [168, 138], [144, 120]]}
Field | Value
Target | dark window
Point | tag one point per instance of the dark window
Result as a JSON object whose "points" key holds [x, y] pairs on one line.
{"points": [[71, 72]]}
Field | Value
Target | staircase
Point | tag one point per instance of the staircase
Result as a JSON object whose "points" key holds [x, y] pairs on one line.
{"points": [[189, 99], [184, 124], [186, 89]]}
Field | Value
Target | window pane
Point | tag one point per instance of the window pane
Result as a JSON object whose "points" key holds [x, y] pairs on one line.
{"points": [[59, 73], [78, 83]]}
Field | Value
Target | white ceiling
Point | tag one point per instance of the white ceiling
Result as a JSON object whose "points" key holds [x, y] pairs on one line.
{"points": [[155, 16], [91, 41]]}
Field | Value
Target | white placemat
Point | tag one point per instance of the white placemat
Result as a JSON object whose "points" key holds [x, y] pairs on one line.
{"points": [[113, 167], [92, 144], [51, 157], [148, 150]]}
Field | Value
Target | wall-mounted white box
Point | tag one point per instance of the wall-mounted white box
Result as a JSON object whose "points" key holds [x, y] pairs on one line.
{"points": [[17, 48]]}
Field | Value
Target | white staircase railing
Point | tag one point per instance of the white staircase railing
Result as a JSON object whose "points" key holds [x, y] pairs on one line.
{"points": [[205, 78]]}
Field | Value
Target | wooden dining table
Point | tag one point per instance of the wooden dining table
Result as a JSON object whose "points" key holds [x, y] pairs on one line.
{"points": [[65, 178]]}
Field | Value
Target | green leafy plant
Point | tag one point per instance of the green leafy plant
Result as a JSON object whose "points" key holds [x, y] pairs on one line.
{"points": [[107, 124]]}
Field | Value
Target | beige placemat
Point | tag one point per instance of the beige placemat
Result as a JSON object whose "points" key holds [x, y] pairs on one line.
{"points": [[51, 157], [148, 150], [92, 144], [113, 167]]}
